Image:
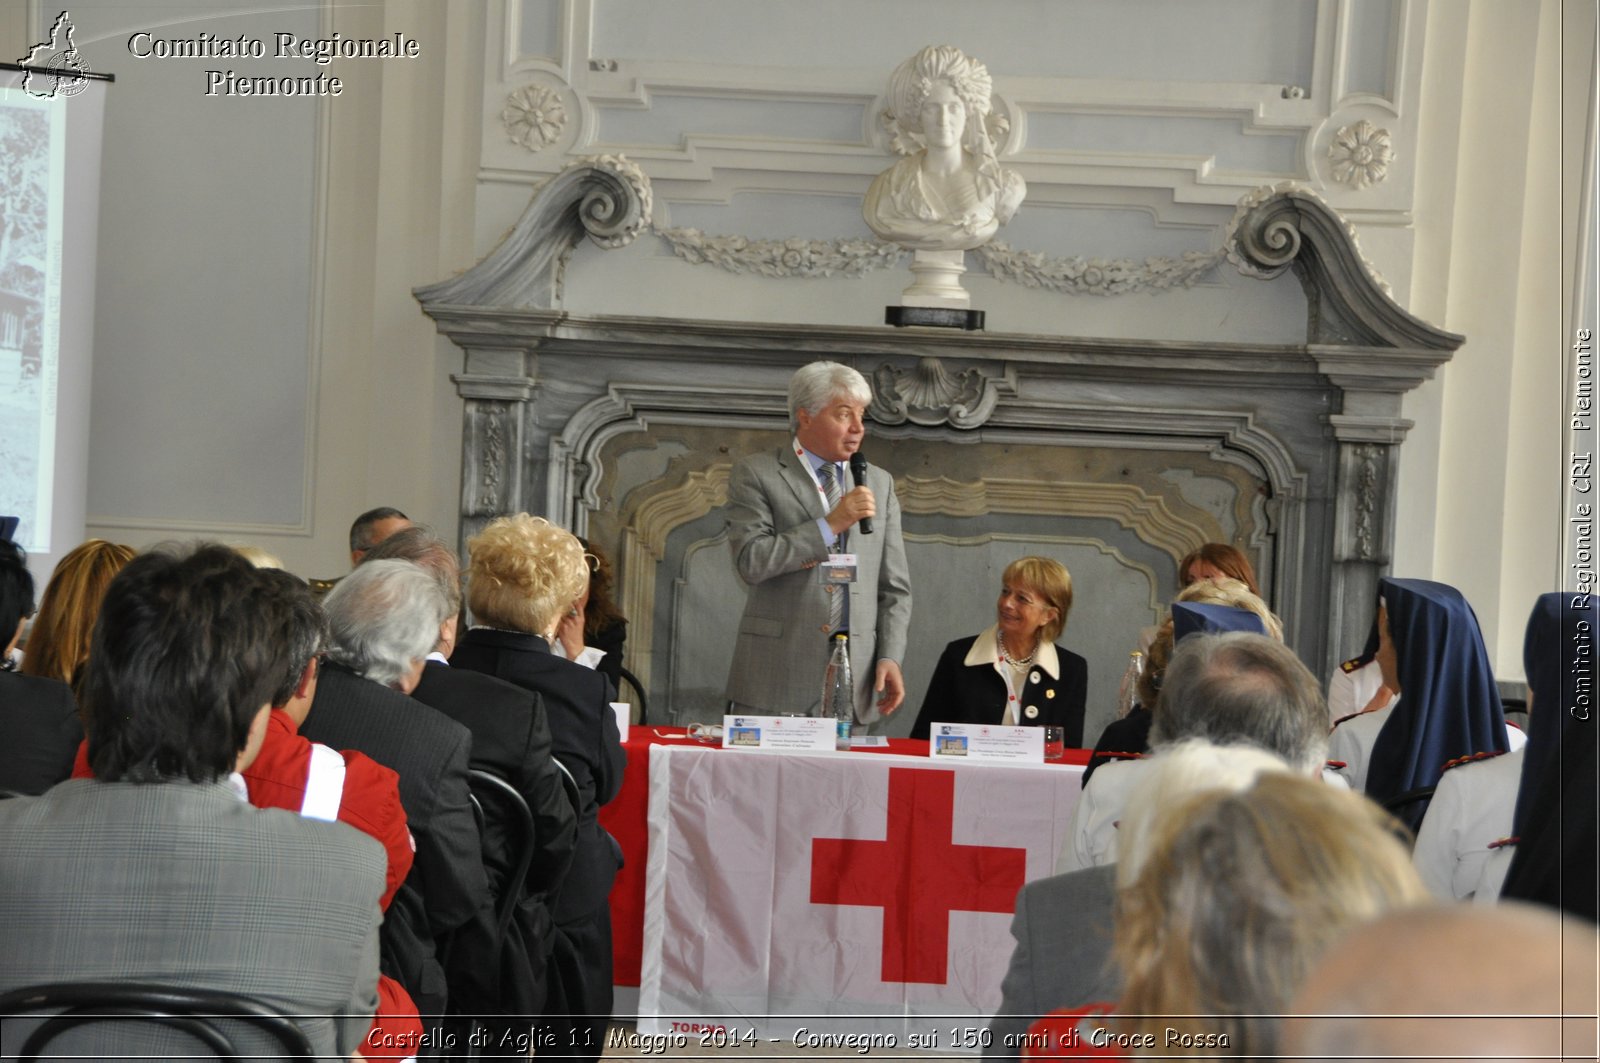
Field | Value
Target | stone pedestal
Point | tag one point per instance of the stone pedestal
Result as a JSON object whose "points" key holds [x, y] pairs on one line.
{"points": [[938, 282], [936, 298]]}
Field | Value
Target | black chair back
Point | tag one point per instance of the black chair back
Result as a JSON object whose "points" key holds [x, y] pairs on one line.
{"points": [[193, 1011], [639, 698], [493, 797]]}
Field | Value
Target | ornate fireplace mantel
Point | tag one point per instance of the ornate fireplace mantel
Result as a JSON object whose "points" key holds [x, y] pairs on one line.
{"points": [[625, 426]]}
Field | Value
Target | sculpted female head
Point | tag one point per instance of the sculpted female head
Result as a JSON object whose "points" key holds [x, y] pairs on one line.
{"points": [[914, 80]]}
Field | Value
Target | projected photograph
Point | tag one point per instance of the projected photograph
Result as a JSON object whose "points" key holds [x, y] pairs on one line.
{"points": [[26, 391]]}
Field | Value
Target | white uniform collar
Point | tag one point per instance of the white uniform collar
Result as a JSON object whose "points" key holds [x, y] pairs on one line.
{"points": [[986, 650]]}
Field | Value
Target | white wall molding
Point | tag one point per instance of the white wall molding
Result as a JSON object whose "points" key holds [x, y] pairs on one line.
{"points": [[1364, 62]]}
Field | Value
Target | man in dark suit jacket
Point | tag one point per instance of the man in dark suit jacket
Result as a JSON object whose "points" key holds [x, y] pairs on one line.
{"points": [[383, 620], [39, 726], [156, 870], [1063, 953], [510, 739]]}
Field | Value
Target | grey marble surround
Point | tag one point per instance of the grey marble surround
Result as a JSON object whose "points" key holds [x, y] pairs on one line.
{"points": [[1115, 456]]}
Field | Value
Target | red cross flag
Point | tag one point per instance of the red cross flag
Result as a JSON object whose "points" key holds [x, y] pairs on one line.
{"points": [[854, 893]]}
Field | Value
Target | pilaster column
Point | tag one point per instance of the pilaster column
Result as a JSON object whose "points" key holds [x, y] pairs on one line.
{"points": [[498, 385]]}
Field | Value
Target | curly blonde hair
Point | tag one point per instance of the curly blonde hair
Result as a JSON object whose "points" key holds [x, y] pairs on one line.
{"points": [[1240, 894], [524, 573]]}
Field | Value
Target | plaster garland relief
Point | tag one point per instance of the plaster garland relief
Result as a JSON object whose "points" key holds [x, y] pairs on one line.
{"points": [[798, 258], [612, 223], [812, 259]]}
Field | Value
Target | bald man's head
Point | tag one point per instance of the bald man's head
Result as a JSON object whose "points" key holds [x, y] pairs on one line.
{"points": [[1463, 981]]}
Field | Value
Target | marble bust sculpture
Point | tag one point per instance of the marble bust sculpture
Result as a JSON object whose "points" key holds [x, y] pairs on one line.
{"points": [[949, 193]]}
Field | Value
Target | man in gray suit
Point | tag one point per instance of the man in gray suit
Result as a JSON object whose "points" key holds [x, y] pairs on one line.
{"points": [[157, 870], [794, 518]]}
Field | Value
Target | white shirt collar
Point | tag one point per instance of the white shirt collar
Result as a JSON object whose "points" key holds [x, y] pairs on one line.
{"points": [[986, 650], [813, 462]]}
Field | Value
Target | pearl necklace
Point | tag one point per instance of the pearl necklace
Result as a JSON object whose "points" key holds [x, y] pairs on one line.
{"points": [[1019, 662]]}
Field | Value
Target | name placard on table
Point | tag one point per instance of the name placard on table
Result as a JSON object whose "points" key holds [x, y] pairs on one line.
{"points": [[975, 741], [805, 734]]}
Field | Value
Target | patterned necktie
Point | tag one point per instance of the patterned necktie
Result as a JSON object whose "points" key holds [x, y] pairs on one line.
{"points": [[837, 593]]}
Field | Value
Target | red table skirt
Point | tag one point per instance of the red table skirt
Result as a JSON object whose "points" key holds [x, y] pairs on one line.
{"points": [[626, 817]]}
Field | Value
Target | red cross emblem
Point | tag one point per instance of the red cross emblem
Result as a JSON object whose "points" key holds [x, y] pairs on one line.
{"points": [[917, 875]]}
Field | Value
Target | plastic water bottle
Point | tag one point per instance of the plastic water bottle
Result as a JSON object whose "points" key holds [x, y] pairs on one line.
{"points": [[1128, 692], [838, 692]]}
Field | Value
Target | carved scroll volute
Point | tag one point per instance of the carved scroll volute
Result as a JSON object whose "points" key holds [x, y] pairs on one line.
{"points": [[928, 394], [604, 197], [1288, 225]]}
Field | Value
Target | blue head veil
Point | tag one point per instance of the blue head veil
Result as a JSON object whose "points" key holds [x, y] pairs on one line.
{"points": [[1449, 705], [1190, 618], [1556, 809], [1551, 658]]}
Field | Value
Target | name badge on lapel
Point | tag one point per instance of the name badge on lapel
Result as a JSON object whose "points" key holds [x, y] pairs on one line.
{"points": [[839, 568]]}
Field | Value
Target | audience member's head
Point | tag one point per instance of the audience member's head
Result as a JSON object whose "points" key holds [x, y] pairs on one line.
{"points": [[1189, 767], [1558, 809], [1222, 591], [182, 669], [420, 546], [600, 611], [1232, 593], [372, 528], [1217, 560], [1451, 982], [16, 594], [525, 574], [58, 642], [1557, 657], [257, 556], [1432, 652], [383, 621], [297, 621], [1239, 896], [1243, 688]]}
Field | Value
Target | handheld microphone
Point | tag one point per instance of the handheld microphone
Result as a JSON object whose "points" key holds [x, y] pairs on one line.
{"points": [[858, 473]]}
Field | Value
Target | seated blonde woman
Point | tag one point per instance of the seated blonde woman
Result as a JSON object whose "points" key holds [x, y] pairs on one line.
{"points": [[1014, 674], [525, 575], [1235, 898]]}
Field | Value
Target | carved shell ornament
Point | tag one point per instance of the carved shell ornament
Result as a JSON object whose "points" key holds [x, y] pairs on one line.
{"points": [[927, 394], [534, 116], [1361, 154]]}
